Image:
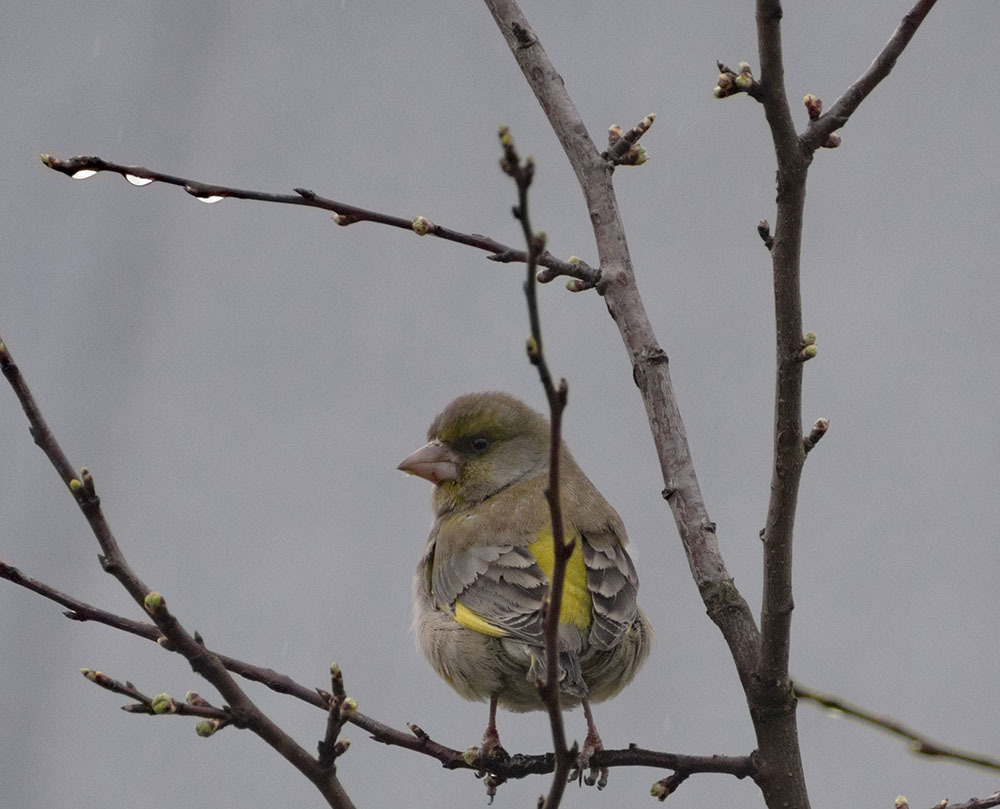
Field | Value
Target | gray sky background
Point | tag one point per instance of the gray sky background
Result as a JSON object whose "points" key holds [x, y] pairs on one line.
{"points": [[243, 378]]}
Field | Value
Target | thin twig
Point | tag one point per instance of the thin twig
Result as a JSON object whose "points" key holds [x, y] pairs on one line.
{"points": [[974, 803], [920, 743], [523, 172], [837, 115], [84, 166], [518, 766], [243, 711]]}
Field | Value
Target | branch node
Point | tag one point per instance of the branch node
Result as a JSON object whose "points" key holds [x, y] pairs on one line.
{"points": [[623, 149], [809, 349], [818, 431], [524, 37], [665, 787], [764, 231], [730, 82], [421, 225], [813, 105]]}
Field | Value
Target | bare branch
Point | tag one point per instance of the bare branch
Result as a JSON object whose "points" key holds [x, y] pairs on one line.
{"points": [[84, 167], [818, 130], [522, 173], [974, 803], [920, 743], [243, 711], [649, 362], [417, 740], [771, 698]]}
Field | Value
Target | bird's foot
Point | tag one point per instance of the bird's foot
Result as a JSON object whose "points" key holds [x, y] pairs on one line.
{"points": [[489, 753], [597, 775], [485, 755]]}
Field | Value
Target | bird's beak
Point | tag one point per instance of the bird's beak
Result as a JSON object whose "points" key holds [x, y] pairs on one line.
{"points": [[433, 462]]}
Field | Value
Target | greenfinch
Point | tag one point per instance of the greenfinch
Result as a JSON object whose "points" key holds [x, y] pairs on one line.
{"points": [[481, 584]]}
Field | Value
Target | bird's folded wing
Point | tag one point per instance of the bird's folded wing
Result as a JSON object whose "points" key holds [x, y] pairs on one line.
{"points": [[493, 589], [612, 581]]}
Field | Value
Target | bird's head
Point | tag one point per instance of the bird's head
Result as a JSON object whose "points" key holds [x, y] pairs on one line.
{"points": [[480, 444]]}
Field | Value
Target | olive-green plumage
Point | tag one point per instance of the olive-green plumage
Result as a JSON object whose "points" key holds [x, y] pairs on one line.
{"points": [[480, 584]]}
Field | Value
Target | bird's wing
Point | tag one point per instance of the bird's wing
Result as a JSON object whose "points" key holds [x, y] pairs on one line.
{"points": [[612, 581], [496, 589]]}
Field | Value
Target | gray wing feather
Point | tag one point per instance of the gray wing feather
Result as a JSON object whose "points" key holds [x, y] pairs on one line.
{"points": [[501, 583], [613, 583]]}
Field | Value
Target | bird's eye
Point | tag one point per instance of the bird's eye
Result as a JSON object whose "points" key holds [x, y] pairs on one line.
{"points": [[480, 443]]}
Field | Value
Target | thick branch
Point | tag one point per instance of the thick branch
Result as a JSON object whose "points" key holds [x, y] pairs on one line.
{"points": [[772, 704], [649, 362]]}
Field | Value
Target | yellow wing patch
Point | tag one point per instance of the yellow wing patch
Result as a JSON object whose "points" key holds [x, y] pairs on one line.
{"points": [[576, 603], [576, 597], [475, 622]]}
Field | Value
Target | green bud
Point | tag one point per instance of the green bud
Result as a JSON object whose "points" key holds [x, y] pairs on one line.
{"points": [[153, 601], [206, 727], [422, 226], [162, 703], [348, 708]]}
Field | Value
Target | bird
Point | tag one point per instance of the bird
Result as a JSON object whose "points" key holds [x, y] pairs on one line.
{"points": [[482, 581]]}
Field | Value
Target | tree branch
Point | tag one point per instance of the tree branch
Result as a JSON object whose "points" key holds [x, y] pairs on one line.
{"points": [[562, 548], [649, 362], [920, 743], [83, 167], [820, 129], [243, 711], [417, 740], [772, 703], [782, 780]]}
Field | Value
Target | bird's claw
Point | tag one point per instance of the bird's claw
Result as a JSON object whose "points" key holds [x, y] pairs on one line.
{"points": [[597, 775], [481, 758]]}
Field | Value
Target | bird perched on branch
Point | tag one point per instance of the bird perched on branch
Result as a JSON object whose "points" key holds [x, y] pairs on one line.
{"points": [[483, 579]]}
